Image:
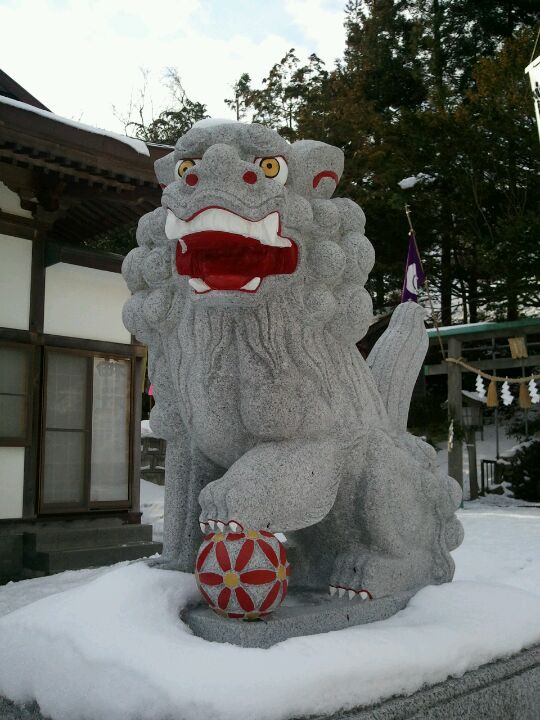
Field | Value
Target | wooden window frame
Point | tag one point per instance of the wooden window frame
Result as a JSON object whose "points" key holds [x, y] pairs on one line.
{"points": [[87, 506], [26, 439]]}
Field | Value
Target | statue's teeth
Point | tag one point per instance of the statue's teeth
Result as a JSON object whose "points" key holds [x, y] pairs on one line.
{"points": [[253, 284], [266, 230], [174, 227], [198, 285], [341, 592]]}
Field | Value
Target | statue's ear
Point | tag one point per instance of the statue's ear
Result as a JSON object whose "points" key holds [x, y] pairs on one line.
{"points": [[164, 169], [314, 168]]}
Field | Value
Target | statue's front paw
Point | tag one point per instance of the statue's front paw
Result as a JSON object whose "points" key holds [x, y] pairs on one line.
{"points": [[225, 507]]}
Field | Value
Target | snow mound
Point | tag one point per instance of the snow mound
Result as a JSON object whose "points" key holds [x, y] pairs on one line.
{"points": [[118, 638], [212, 122], [109, 643]]}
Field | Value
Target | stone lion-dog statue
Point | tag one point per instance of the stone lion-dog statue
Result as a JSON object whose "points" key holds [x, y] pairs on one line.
{"points": [[248, 289]]}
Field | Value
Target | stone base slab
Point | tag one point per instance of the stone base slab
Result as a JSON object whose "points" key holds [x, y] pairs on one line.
{"points": [[302, 613], [507, 689]]}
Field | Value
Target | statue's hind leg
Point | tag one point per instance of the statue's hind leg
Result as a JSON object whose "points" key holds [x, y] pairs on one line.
{"points": [[404, 524]]}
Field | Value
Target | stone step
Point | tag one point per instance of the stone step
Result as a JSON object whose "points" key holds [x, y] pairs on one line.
{"points": [[55, 561], [84, 536]]}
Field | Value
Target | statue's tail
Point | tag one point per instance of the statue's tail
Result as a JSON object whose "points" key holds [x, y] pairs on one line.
{"points": [[396, 360]]}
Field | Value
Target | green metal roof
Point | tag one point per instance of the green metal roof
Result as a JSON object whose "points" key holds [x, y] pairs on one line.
{"points": [[484, 327]]}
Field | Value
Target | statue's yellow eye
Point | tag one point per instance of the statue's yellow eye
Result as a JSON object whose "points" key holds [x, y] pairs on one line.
{"points": [[183, 165], [274, 168], [270, 166]]}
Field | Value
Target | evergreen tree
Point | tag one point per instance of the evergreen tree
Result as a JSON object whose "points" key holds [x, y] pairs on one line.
{"points": [[243, 97], [174, 121], [433, 89], [376, 85], [500, 144]]}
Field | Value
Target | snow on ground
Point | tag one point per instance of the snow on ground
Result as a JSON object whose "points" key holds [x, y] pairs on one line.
{"points": [[502, 545], [485, 450], [109, 642], [145, 429], [152, 507], [25, 592]]}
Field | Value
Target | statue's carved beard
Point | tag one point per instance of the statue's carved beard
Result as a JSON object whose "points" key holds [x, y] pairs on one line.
{"points": [[275, 335]]}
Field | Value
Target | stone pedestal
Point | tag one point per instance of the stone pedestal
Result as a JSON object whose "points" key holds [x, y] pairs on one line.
{"points": [[302, 613]]}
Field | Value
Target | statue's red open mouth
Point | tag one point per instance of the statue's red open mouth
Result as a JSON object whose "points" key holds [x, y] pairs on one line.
{"points": [[220, 250]]}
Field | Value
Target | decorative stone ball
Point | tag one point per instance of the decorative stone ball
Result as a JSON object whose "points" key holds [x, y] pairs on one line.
{"points": [[242, 575]]}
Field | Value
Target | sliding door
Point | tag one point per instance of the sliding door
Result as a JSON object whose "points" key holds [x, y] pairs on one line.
{"points": [[86, 432]]}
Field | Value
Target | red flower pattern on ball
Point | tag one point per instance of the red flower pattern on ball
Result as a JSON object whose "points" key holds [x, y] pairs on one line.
{"points": [[242, 575]]}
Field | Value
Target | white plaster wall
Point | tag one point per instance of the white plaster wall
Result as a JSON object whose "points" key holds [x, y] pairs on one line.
{"points": [[11, 482], [10, 202], [15, 280], [85, 303]]}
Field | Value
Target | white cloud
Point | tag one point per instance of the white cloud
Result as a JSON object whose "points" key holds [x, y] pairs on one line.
{"points": [[322, 23], [81, 57]]}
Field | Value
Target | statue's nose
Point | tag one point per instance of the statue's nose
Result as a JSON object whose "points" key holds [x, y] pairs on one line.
{"points": [[222, 164]]}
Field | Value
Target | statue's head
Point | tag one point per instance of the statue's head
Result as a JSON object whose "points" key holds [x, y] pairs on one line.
{"points": [[248, 222], [239, 202]]}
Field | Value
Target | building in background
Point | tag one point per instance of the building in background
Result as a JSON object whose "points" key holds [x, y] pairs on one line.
{"points": [[70, 374]]}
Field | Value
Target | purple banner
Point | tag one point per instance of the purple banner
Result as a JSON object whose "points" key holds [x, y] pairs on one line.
{"points": [[414, 273]]}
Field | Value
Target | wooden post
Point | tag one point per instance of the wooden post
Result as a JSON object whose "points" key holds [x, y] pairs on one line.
{"points": [[473, 470], [135, 432], [35, 324], [455, 455], [37, 288]]}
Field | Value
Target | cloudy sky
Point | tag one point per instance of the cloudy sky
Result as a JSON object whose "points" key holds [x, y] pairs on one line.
{"points": [[81, 57]]}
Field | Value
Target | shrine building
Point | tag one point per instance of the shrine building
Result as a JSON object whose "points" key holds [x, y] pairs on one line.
{"points": [[70, 374]]}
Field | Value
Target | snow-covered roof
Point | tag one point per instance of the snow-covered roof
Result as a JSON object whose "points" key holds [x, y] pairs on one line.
{"points": [[484, 326], [474, 396], [138, 145]]}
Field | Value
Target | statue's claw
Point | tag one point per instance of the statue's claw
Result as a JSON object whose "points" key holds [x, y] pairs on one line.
{"points": [[210, 524], [228, 506], [350, 593]]}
